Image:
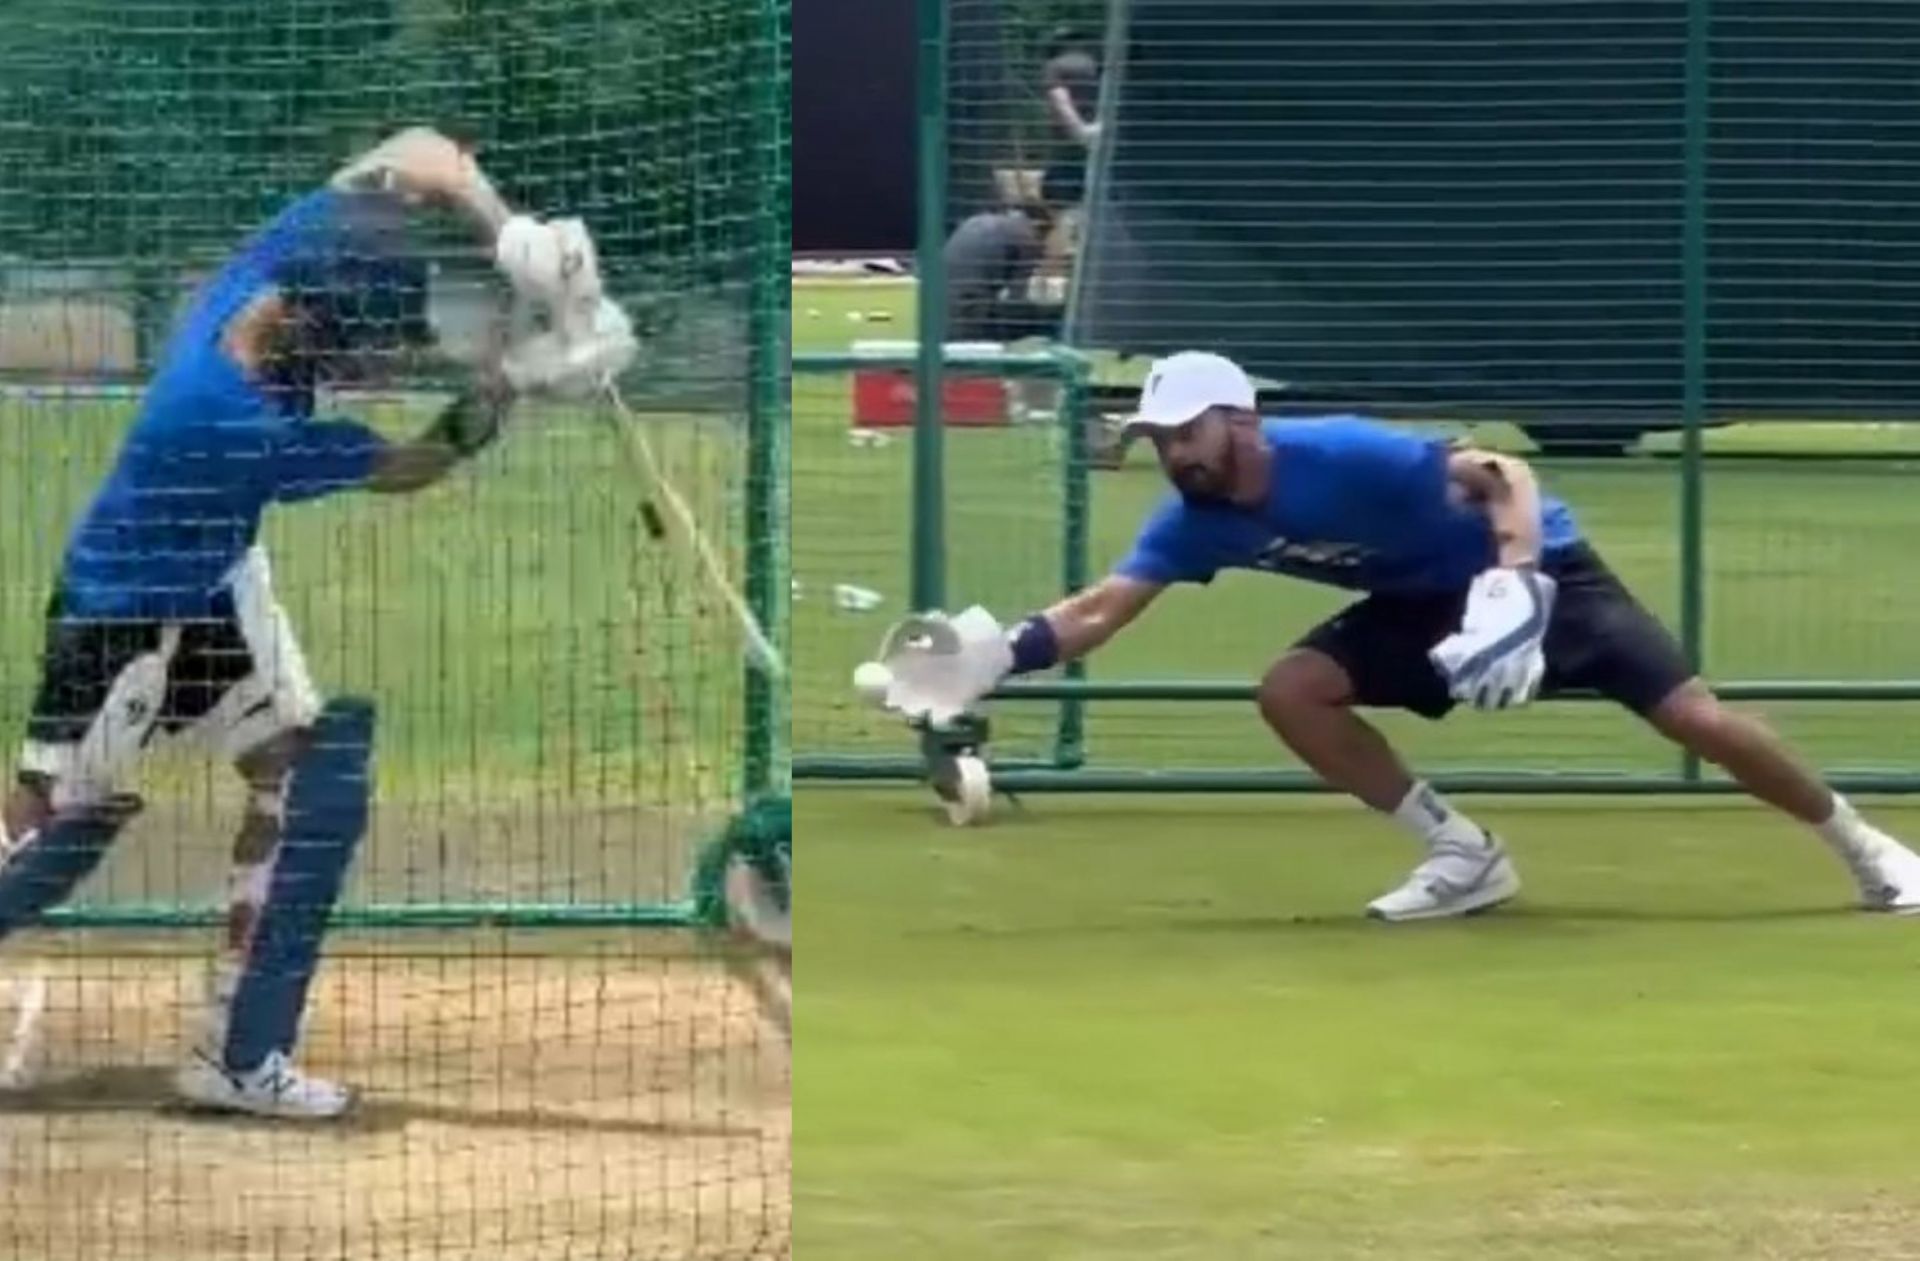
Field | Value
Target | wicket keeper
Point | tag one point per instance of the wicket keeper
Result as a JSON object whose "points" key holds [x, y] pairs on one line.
{"points": [[1474, 584]]}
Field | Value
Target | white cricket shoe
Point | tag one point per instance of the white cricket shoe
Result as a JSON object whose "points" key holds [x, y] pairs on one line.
{"points": [[1455, 879], [1887, 872], [274, 1089]]}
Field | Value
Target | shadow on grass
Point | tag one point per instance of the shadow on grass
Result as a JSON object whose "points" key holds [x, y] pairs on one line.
{"points": [[1354, 923], [150, 1089]]}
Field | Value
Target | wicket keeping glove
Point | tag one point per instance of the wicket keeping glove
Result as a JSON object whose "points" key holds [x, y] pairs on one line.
{"points": [[941, 666], [1498, 658]]}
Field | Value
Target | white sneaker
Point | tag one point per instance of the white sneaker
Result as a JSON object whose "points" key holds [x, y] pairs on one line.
{"points": [[1455, 879], [1887, 872], [274, 1089]]}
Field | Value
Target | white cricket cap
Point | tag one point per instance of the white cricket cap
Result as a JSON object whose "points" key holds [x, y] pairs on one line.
{"points": [[1182, 386]]}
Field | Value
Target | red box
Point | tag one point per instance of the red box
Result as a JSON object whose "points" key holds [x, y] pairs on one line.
{"points": [[884, 398]]}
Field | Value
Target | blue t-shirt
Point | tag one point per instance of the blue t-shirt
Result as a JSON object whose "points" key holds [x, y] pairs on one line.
{"points": [[1352, 503], [210, 450]]}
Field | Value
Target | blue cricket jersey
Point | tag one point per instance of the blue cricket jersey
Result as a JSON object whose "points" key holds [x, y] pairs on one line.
{"points": [[1352, 503], [210, 449]]}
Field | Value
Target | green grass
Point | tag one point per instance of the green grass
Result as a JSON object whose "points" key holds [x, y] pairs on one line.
{"points": [[1132, 1029], [1157, 1029], [560, 695]]}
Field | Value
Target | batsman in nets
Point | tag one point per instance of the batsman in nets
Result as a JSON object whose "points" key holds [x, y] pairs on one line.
{"points": [[163, 622], [1475, 586]]}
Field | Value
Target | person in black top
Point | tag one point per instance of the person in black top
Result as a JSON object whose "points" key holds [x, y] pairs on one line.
{"points": [[1071, 78]]}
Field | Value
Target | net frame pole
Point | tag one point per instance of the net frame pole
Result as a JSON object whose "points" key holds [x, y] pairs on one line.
{"points": [[1070, 739], [927, 580], [680, 913], [1693, 255], [770, 316], [1030, 776]]}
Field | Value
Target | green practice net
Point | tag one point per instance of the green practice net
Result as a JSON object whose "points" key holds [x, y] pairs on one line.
{"points": [[553, 1065]]}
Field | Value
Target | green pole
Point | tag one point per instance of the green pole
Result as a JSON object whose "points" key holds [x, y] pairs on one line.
{"points": [[1019, 775], [1070, 740], [155, 915], [770, 319], [928, 580], [1693, 348]]}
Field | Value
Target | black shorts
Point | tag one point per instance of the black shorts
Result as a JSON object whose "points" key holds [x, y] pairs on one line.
{"points": [[1600, 639], [84, 659], [230, 680]]}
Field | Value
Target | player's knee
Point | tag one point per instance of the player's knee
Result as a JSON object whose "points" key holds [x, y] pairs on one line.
{"points": [[266, 765], [1694, 718], [29, 805], [1302, 683]]}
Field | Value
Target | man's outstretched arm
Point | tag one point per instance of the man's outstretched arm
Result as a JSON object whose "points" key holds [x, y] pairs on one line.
{"points": [[315, 458], [1075, 626], [423, 165]]}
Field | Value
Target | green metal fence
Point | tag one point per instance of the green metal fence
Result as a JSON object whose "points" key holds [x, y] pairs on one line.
{"points": [[1659, 217]]}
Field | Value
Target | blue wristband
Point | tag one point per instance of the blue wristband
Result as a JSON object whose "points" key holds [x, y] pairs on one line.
{"points": [[1035, 646]]}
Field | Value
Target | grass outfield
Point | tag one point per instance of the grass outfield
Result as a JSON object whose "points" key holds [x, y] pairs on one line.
{"points": [[1157, 1029], [560, 711]]}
